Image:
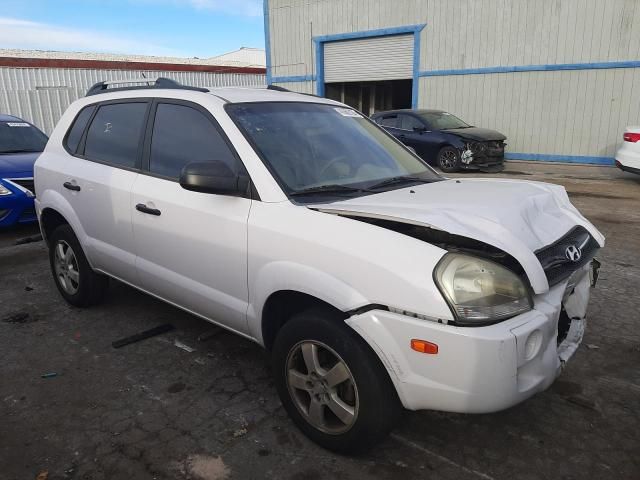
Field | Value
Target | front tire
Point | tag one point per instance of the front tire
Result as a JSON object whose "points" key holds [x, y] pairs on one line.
{"points": [[78, 284], [332, 384], [449, 159]]}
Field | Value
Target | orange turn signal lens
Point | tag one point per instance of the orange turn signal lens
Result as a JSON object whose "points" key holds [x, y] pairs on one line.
{"points": [[423, 346]]}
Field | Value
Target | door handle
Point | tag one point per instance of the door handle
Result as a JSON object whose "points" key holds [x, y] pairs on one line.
{"points": [[141, 207], [402, 135], [71, 186]]}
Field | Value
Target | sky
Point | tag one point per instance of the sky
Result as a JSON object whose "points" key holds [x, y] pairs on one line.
{"points": [[183, 28]]}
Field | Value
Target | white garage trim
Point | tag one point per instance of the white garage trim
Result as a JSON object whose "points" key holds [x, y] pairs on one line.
{"points": [[369, 59]]}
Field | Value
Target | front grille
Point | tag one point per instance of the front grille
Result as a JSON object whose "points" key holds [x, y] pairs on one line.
{"points": [[27, 183], [554, 258], [489, 149]]}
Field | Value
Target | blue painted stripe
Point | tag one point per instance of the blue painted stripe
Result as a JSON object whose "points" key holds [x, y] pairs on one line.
{"points": [[531, 68], [415, 91], [560, 158], [294, 78], [267, 39], [382, 32], [319, 68]]}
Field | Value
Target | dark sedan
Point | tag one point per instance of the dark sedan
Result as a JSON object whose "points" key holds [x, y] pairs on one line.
{"points": [[442, 138]]}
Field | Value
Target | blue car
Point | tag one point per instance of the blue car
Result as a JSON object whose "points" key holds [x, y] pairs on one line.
{"points": [[20, 144]]}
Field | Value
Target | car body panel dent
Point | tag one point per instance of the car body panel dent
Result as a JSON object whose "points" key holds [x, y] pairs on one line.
{"points": [[517, 217]]}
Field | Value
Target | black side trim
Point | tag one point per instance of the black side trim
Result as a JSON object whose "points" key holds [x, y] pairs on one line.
{"points": [[367, 308], [624, 168]]}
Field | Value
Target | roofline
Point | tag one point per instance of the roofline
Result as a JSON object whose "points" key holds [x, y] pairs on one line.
{"points": [[20, 62]]}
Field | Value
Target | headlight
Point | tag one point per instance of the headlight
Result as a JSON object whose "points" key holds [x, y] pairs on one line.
{"points": [[4, 191], [480, 291]]}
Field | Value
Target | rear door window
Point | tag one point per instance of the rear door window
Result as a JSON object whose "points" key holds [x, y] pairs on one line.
{"points": [[409, 122], [183, 134], [115, 134], [389, 121]]}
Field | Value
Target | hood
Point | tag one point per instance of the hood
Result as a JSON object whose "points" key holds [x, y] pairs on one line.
{"points": [[477, 134], [518, 217], [17, 164]]}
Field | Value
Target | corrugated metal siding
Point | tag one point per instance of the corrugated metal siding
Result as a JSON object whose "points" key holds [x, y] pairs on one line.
{"points": [[566, 112], [562, 112], [466, 33], [41, 95], [381, 58]]}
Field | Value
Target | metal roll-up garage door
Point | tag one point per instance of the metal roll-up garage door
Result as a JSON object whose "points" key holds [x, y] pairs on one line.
{"points": [[369, 59]]}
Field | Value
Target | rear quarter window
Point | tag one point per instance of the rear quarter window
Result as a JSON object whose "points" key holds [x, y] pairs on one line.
{"points": [[115, 134], [77, 129]]}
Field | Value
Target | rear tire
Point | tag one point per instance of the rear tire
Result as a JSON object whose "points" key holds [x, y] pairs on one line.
{"points": [[332, 384], [78, 284], [449, 159]]}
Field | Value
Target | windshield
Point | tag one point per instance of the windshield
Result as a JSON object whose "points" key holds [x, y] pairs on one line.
{"points": [[443, 120], [19, 137], [309, 145]]}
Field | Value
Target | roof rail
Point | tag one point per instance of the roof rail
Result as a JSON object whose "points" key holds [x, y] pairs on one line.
{"points": [[159, 82], [278, 88]]}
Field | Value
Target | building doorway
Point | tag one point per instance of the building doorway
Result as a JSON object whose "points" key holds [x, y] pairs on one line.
{"points": [[371, 97]]}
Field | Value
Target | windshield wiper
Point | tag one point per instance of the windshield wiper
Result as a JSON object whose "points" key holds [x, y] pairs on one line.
{"points": [[332, 188], [399, 180]]}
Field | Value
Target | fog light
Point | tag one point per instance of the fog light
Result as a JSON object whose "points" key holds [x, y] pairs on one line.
{"points": [[532, 345]]}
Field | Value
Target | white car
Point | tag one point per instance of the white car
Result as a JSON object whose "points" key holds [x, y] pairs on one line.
{"points": [[628, 155], [301, 225]]}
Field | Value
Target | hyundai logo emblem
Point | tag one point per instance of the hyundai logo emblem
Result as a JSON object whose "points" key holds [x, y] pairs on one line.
{"points": [[573, 253]]}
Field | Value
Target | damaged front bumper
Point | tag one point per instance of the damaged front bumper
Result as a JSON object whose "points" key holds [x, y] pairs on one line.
{"points": [[481, 369], [488, 158]]}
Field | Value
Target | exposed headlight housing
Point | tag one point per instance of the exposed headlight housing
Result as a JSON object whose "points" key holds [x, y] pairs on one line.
{"points": [[480, 291], [4, 191]]}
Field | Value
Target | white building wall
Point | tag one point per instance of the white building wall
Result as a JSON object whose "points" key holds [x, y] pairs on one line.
{"points": [[41, 95], [575, 113]]}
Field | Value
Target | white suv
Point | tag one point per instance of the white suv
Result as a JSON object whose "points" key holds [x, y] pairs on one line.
{"points": [[296, 222]]}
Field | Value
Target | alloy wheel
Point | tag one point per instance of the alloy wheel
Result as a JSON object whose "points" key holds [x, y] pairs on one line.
{"points": [[448, 159], [322, 387], [66, 267]]}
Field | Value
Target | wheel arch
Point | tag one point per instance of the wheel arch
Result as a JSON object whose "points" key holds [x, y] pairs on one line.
{"points": [[53, 205], [279, 282], [282, 305], [50, 219]]}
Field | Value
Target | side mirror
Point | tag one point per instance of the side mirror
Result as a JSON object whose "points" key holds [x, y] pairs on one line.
{"points": [[213, 177], [419, 129]]}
